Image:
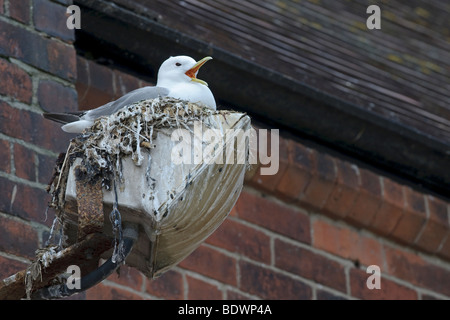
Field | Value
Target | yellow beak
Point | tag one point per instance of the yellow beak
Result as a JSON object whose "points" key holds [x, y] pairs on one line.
{"points": [[192, 72]]}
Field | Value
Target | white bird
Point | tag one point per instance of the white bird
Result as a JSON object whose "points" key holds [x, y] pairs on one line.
{"points": [[177, 78]]}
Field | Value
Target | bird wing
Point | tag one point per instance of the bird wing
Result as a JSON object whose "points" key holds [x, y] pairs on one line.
{"points": [[61, 117], [129, 98]]}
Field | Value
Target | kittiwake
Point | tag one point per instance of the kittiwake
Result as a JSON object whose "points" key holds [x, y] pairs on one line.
{"points": [[177, 78]]}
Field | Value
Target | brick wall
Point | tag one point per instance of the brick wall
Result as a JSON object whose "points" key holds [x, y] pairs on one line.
{"points": [[308, 232], [37, 70]]}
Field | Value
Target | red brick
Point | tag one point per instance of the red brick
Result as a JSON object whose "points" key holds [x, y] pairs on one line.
{"points": [[201, 290], [44, 13], [16, 83], [273, 216], [297, 174], [346, 243], [90, 97], [389, 290], [234, 212], [417, 271], [48, 134], [325, 295], [413, 218], [44, 53], [18, 238], [31, 204], [444, 251], [6, 190], [269, 284], [5, 158], [125, 83], [28, 203], [391, 208], [368, 199], [129, 277], [61, 60], [33, 128], [101, 77], [270, 182], [425, 296], [53, 96], [83, 70], [168, 286], [308, 264], [344, 193], [13, 38], [8, 267], [45, 168], [24, 162], [322, 181], [95, 84], [9, 117], [212, 263], [20, 10], [143, 83], [105, 292], [233, 295], [436, 227], [236, 237]]}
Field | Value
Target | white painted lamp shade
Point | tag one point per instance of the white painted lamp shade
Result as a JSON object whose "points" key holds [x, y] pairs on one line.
{"points": [[176, 205]]}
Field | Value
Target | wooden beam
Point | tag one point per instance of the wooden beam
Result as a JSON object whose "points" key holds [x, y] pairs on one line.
{"points": [[82, 254]]}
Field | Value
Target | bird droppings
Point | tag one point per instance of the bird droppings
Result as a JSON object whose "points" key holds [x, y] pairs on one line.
{"points": [[125, 133], [111, 138], [137, 142], [44, 258]]}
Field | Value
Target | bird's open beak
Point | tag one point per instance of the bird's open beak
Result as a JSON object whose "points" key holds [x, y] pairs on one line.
{"points": [[192, 72]]}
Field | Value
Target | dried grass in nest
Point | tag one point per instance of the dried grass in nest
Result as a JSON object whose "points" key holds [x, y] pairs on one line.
{"points": [[111, 138], [102, 146]]}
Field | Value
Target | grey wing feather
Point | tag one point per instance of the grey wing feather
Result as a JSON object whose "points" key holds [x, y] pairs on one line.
{"points": [[61, 117], [129, 98]]}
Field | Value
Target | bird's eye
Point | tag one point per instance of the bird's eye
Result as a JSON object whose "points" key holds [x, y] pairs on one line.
{"points": [[178, 64]]}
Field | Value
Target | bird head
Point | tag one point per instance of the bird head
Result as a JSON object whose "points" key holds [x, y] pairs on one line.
{"points": [[179, 69]]}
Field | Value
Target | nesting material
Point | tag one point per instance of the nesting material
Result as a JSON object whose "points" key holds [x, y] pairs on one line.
{"points": [[136, 153], [43, 259]]}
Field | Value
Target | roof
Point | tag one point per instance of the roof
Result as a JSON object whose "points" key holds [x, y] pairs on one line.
{"points": [[313, 67], [401, 72]]}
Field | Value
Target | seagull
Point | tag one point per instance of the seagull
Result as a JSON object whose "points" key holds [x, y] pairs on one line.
{"points": [[177, 78]]}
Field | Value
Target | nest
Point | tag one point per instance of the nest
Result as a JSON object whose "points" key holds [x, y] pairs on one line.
{"points": [[111, 138], [122, 134]]}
